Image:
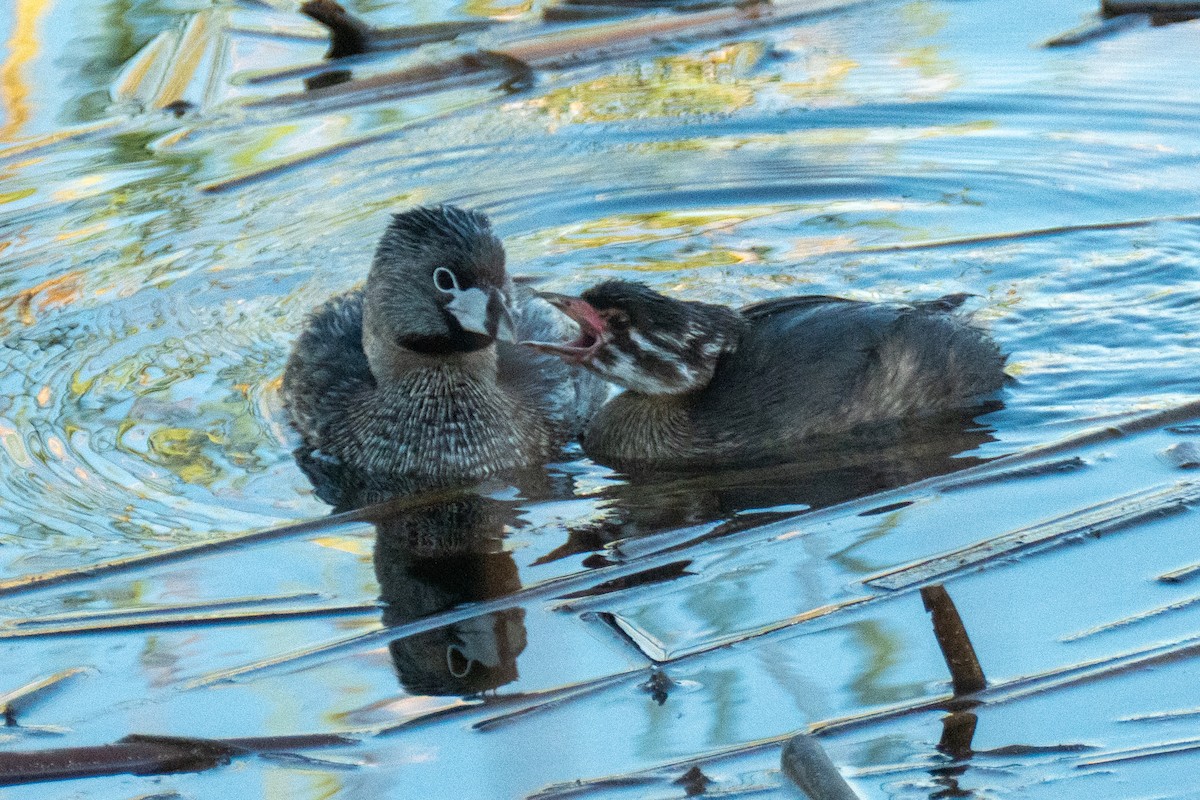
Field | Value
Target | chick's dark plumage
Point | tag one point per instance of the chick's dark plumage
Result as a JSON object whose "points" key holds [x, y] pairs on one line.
{"points": [[404, 379], [707, 385]]}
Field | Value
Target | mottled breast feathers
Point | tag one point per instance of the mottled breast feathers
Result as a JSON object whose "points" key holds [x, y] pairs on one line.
{"points": [[446, 422]]}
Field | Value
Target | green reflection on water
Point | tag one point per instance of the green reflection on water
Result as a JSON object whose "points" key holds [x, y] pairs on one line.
{"points": [[713, 82], [686, 259], [882, 651], [861, 566]]}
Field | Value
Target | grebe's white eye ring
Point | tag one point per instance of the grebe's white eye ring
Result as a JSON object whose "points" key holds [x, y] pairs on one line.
{"points": [[463, 668], [445, 281]]}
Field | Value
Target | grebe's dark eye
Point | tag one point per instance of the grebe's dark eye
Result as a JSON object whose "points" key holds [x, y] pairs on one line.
{"points": [[615, 318], [445, 280]]}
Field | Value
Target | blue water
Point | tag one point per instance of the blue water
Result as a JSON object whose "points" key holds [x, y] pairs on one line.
{"points": [[896, 151]]}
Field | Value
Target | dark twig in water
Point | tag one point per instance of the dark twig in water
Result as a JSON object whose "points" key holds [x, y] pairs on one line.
{"points": [[958, 732], [649, 577], [1133, 618], [130, 755], [58, 577], [551, 698], [1138, 753], [146, 755], [19, 700], [588, 13], [952, 637], [351, 36], [808, 766], [1056, 467], [347, 33]]}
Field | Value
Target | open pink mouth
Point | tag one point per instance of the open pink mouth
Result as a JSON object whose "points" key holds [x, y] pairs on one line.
{"points": [[591, 329]]}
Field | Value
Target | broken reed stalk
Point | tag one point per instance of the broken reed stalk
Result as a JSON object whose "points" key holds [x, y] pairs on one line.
{"points": [[808, 766], [146, 755], [965, 671], [130, 755], [20, 700]]}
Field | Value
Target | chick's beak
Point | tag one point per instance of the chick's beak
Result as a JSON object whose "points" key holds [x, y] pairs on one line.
{"points": [[592, 329], [483, 312]]}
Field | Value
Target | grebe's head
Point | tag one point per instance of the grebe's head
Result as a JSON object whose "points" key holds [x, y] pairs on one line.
{"points": [[644, 341], [437, 287]]}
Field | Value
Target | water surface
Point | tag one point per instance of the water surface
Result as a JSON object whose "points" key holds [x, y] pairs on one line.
{"points": [[895, 151]]}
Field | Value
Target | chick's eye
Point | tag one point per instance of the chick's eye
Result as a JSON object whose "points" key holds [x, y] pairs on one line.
{"points": [[615, 319], [445, 280]]}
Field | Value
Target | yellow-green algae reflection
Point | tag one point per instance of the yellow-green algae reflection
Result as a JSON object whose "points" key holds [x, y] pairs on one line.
{"points": [[718, 81]]}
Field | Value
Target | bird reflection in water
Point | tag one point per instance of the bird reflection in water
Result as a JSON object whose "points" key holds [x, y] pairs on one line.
{"points": [[438, 557], [834, 469], [449, 551]]}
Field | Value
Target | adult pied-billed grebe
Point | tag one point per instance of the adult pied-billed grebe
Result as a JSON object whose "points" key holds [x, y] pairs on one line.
{"points": [[710, 386], [405, 379]]}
